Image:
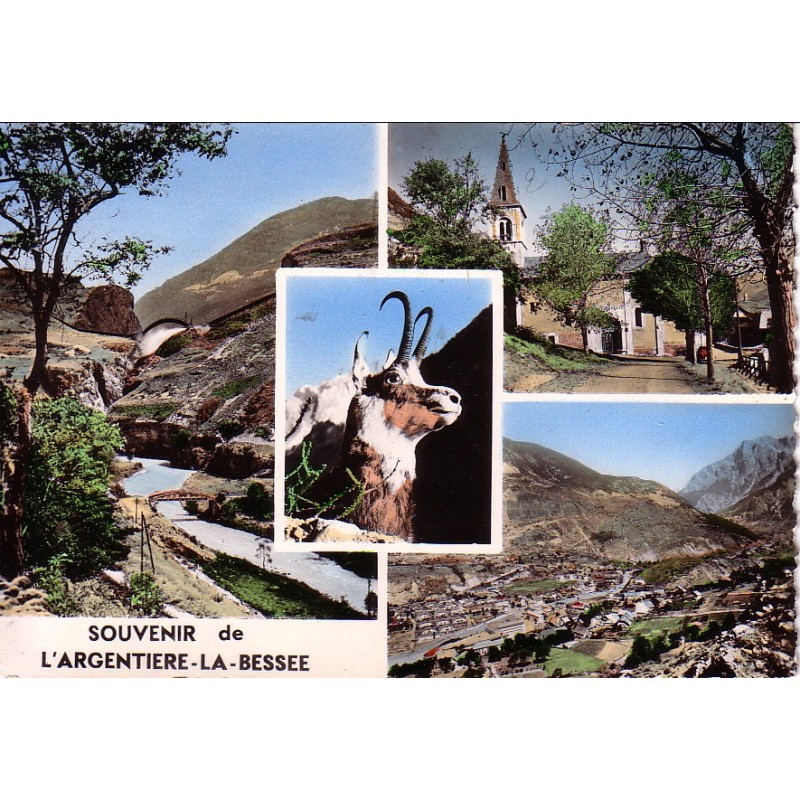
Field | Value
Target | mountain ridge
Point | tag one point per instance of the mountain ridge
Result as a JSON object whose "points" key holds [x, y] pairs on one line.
{"points": [[555, 503], [245, 268], [754, 465]]}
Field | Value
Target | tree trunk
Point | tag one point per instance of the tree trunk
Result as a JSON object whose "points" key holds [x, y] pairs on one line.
{"points": [[15, 474], [38, 372], [691, 353], [780, 287], [705, 304], [585, 338]]}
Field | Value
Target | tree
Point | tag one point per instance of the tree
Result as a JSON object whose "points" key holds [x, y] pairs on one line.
{"points": [[67, 511], [578, 259], [667, 286], [450, 206], [747, 164], [52, 177]]}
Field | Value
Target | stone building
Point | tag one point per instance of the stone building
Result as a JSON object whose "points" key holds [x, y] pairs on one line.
{"points": [[635, 331]]}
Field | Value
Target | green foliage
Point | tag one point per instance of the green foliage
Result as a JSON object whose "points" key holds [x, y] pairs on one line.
{"points": [[67, 510], [257, 502], [50, 579], [303, 478], [173, 345], [668, 286], [415, 669], [228, 428], [54, 175], [578, 259], [237, 323], [182, 437], [449, 204], [669, 569], [552, 356], [273, 594], [593, 610], [236, 387], [8, 414], [146, 596], [155, 411], [731, 527], [365, 565], [648, 648]]}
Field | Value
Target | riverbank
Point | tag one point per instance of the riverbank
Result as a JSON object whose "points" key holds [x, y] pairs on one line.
{"points": [[297, 585]]}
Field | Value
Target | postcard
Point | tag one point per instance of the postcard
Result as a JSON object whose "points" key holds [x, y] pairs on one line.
{"points": [[485, 400]]}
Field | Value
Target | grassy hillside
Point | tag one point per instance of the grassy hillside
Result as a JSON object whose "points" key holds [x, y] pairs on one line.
{"points": [[245, 269]]}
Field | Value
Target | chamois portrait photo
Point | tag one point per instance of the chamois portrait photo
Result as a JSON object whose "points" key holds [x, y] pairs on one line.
{"points": [[389, 388]]}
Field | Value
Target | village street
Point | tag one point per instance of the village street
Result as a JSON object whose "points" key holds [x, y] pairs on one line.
{"points": [[661, 375]]}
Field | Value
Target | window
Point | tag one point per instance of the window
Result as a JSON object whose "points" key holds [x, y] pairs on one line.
{"points": [[502, 192], [637, 313], [506, 229]]}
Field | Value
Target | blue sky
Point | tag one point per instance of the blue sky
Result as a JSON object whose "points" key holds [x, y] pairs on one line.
{"points": [[270, 167], [665, 442], [536, 184], [326, 315]]}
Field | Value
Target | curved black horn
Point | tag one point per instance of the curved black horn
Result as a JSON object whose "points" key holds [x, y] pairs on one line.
{"points": [[422, 345], [404, 351]]}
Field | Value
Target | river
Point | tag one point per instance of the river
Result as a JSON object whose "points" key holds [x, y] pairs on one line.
{"points": [[312, 569]]}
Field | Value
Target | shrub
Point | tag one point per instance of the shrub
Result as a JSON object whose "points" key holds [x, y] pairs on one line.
{"points": [[173, 345], [67, 511], [236, 387], [228, 428], [182, 437], [146, 596], [258, 502], [50, 579], [155, 411]]}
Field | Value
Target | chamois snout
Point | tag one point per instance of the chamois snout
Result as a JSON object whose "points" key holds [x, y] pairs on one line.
{"points": [[445, 402]]}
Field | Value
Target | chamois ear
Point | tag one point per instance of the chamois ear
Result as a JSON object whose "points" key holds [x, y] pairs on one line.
{"points": [[390, 357], [360, 367]]}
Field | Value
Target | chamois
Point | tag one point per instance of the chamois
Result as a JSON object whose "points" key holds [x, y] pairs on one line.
{"points": [[390, 413]]}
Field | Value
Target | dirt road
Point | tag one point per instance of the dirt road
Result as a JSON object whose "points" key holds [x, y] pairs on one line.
{"points": [[640, 376]]}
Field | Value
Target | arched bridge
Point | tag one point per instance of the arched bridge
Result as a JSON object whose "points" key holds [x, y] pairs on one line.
{"points": [[176, 494], [166, 321]]}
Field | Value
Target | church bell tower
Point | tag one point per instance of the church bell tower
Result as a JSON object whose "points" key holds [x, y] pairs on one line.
{"points": [[508, 224]]}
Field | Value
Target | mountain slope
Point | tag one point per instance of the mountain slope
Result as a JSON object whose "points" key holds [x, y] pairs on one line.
{"points": [[754, 465], [553, 502], [245, 269], [768, 510]]}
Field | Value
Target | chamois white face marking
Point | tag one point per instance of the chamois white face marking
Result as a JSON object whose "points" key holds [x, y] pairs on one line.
{"points": [[396, 407]]}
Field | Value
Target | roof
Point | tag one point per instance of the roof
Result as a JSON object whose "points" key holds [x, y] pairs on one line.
{"points": [[503, 179], [626, 264]]}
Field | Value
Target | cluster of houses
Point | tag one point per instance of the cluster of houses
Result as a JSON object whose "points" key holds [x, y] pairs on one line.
{"points": [[588, 602]]}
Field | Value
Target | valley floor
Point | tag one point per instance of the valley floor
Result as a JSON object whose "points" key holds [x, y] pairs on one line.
{"points": [[593, 615]]}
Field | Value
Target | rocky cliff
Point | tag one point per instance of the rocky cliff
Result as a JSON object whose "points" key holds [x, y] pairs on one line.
{"points": [[753, 466], [351, 247]]}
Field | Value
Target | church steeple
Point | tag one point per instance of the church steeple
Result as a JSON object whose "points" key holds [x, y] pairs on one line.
{"points": [[510, 216], [504, 193]]}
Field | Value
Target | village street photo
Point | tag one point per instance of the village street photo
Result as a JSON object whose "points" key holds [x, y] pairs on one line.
{"points": [[636, 258]]}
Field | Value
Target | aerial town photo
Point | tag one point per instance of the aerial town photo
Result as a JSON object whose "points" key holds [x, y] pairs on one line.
{"points": [[640, 539]]}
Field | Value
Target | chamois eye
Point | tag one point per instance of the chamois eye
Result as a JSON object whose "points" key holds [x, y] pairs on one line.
{"points": [[392, 378]]}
